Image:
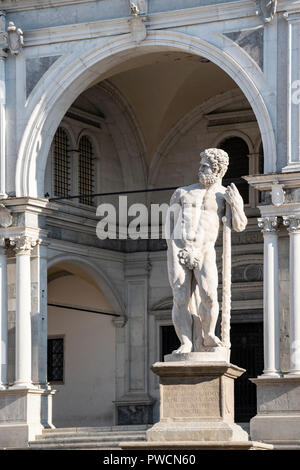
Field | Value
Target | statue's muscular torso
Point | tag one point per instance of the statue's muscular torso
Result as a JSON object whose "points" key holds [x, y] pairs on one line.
{"points": [[202, 211]]}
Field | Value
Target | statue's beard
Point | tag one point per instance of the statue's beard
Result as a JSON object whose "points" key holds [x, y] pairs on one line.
{"points": [[208, 180]]}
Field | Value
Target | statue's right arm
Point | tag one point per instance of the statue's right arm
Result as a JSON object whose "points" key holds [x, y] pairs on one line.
{"points": [[172, 215]]}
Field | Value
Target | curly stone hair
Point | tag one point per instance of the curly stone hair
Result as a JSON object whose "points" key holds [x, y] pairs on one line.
{"points": [[218, 158]]}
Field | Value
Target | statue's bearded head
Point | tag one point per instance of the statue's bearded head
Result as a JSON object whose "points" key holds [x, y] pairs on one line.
{"points": [[213, 166]]}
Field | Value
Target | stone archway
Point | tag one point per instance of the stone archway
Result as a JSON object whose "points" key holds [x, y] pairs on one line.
{"points": [[81, 340], [75, 72]]}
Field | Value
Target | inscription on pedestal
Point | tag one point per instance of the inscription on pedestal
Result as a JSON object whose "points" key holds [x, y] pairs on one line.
{"points": [[191, 400], [12, 409]]}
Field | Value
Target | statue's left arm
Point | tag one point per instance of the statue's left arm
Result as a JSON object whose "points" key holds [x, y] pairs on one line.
{"points": [[235, 200]]}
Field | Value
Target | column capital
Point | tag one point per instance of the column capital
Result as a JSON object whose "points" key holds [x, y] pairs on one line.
{"points": [[23, 244], [292, 223], [268, 224], [120, 321]]}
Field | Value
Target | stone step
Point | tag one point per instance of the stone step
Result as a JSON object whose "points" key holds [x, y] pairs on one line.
{"points": [[92, 438], [137, 427], [84, 434], [107, 437], [77, 446]]}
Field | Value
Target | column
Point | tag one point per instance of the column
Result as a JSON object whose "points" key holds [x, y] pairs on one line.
{"points": [[135, 406], [3, 55], [39, 265], [23, 246], [3, 317], [269, 226], [293, 82], [293, 224]]}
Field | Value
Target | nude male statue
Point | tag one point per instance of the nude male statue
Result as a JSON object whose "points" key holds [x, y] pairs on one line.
{"points": [[192, 258]]}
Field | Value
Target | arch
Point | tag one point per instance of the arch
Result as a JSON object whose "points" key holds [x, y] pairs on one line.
{"points": [[98, 276], [187, 122], [234, 133], [71, 76]]}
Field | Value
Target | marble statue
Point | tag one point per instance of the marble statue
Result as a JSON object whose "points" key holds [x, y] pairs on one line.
{"points": [[192, 267]]}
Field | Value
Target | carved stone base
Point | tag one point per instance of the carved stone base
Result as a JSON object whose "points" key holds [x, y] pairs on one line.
{"points": [[278, 411], [196, 407], [24, 413], [197, 401]]}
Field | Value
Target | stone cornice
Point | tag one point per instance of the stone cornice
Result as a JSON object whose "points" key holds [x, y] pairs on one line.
{"points": [[265, 182], [289, 209], [162, 20], [62, 246], [24, 5]]}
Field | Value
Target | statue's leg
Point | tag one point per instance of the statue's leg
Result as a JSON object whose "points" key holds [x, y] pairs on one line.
{"points": [[180, 280], [207, 278]]}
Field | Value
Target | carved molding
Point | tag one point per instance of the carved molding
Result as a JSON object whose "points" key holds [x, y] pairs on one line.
{"points": [[292, 223], [267, 9], [11, 40], [137, 22], [268, 224], [120, 321], [278, 194], [6, 219], [15, 38], [23, 244]]}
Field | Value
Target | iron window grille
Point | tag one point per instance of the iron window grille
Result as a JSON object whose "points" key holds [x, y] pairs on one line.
{"points": [[55, 360], [86, 171], [61, 163]]}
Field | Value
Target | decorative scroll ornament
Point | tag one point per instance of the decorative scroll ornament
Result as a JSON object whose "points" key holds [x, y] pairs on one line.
{"points": [[292, 223], [278, 194], [137, 22], [5, 217], [23, 244], [15, 38], [267, 9], [268, 224]]}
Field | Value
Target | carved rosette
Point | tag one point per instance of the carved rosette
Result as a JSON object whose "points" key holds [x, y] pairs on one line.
{"points": [[24, 244], [292, 223], [268, 224]]}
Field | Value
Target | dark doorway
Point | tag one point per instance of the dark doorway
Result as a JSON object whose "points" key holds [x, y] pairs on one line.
{"points": [[246, 352], [168, 340]]}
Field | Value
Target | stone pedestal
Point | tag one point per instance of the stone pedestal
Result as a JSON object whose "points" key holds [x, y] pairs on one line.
{"points": [[196, 405], [24, 413], [197, 402], [278, 411]]}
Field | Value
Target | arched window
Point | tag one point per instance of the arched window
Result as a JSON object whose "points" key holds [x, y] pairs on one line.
{"points": [[86, 171], [61, 163], [238, 151]]}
